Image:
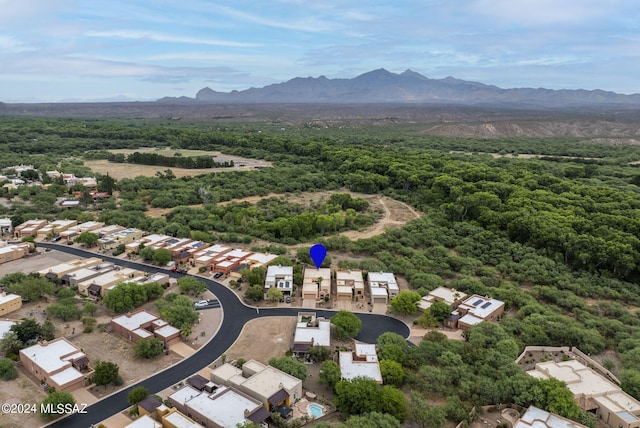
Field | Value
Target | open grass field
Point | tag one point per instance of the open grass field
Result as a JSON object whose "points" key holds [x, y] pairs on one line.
{"points": [[124, 170]]}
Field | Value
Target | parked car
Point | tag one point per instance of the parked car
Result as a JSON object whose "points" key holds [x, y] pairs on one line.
{"points": [[287, 299], [218, 275], [201, 303], [56, 238]]}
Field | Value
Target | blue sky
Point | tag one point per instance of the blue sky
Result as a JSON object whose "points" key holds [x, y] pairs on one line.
{"points": [[86, 50]]}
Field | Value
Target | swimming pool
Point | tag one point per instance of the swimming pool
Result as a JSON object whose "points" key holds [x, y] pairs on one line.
{"points": [[315, 410]]}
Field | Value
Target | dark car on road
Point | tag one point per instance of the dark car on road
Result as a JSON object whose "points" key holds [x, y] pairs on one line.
{"points": [[218, 275]]}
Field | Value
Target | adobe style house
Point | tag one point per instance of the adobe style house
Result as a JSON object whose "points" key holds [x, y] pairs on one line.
{"points": [[99, 285], [450, 296], [73, 232], [143, 325], [223, 407], [280, 277], [276, 390], [383, 286], [310, 331], [476, 309], [29, 228], [59, 270], [350, 285], [363, 362], [206, 256], [58, 363], [593, 392], [229, 261], [13, 252], [121, 237], [55, 227], [538, 418], [9, 303], [316, 284]]}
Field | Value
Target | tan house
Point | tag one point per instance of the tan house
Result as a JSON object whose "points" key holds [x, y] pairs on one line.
{"points": [[73, 232], [354, 281], [13, 252], [310, 331], [154, 241], [99, 285], [450, 296], [272, 387], [476, 309], [229, 261], [224, 407], [144, 325], [362, 362], [382, 280], [593, 392], [206, 256], [316, 283], [122, 237], [59, 270], [29, 228], [6, 227], [9, 303], [58, 363], [55, 227]]}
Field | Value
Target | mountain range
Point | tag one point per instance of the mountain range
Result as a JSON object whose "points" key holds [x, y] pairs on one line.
{"points": [[409, 87]]}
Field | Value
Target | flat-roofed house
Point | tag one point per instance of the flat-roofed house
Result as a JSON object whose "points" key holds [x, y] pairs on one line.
{"points": [[538, 418], [9, 303], [275, 389], [316, 283], [59, 363], [259, 259], [450, 296], [56, 227], [72, 232], [280, 277], [310, 331], [153, 241], [386, 280], [362, 362], [144, 421], [108, 229], [225, 407], [5, 326], [77, 276], [13, 252], [99, 285], [59, 270], [206, 256], [229, 261], [593, 392], [476, 309], [29, 228], [143, 325], [352, 279], [121, 237]]}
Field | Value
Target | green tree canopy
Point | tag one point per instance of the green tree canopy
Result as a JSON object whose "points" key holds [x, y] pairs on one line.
{"points": [[291, 366], [8, 369], [347, 324], [148, 348], [191, 285], [87, 239], [329, 373], [406, 302], [137, 394], [53, 400], [105, 373]]}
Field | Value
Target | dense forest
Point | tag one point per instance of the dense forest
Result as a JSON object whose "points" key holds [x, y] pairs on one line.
{"points": [[190, 162], [555, 237]]}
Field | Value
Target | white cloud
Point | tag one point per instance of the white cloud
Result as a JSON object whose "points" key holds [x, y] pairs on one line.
{"points": [[159, 37]]}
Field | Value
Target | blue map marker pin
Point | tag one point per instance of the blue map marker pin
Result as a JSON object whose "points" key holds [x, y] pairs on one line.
{"points": [[318, 253]]}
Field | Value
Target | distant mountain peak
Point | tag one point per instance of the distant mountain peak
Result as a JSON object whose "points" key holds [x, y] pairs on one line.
{"points": [[383, 86]]}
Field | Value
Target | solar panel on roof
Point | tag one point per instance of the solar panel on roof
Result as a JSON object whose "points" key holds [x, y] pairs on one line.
{"points": [[486, 305], [477, 302]]}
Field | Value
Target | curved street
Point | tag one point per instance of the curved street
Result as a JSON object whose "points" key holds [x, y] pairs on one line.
{"points": [[236, 314]]}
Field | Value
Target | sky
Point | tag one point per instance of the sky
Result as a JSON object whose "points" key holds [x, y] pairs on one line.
{"points": [[117, 50]]}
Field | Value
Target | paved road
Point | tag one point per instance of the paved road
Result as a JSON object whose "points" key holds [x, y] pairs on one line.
{"points": [[236, 315]]}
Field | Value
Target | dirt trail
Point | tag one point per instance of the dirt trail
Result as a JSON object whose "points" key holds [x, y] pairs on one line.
{"points": [[396, 216]]}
